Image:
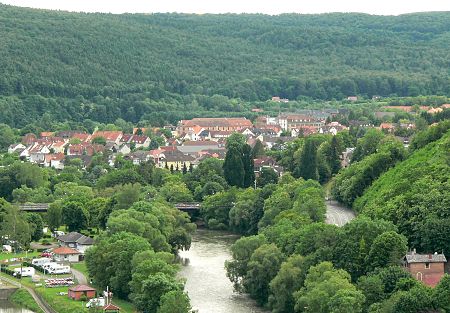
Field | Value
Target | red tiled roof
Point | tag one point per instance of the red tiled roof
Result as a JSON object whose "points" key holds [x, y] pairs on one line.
{"points": [[109, 135], [126, 137], [139, 139], [110, 307], [81, 288], [65, 250], [168, 148], [54, 157], [219, 121], [47, 134], [59, 144], [81, 136]]}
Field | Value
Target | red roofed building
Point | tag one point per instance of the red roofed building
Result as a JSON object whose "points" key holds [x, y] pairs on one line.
{"points": [[428, 268], [58, 146], [140, 141], [126, 138], [47, 134], [388, 127], [109, 135], [111, 308], [83, 137], [76, 292], [303, 131], [84, 148], [291, 121], [54, 160], [225, 123], [28, 139], [66, 254]]}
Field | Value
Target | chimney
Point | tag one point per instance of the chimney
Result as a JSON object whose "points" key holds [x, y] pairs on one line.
{"points": [[430, 256], [414, 251]]}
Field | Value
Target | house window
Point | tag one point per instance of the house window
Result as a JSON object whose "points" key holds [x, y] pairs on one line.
{"points": [[427, 265]]}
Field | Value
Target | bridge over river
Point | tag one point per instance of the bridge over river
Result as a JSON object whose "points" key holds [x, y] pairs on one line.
{"points": [[189, 207], [336, 213]]}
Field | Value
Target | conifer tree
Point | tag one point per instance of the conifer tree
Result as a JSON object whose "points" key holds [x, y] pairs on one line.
{"points": [[233, 167], [247, 162], [335, 160], [308, 163]]}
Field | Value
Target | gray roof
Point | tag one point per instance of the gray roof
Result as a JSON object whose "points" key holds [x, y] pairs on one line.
{"points": [[413, 257], [75, 237], [85, 240], [70, 237]]}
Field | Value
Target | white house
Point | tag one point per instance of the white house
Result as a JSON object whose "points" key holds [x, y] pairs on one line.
{"points": [[124, 149], [140, 141], [76, 241], [37, 153], [66, 254], [16, 148], [54, 160]]}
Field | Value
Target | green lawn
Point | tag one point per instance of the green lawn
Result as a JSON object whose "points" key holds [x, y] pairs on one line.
{"points": [[7, 256], [81, 266]]}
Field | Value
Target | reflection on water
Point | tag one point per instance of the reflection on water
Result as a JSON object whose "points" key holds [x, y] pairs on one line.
{"points": [[208, 287], [8, 307]]}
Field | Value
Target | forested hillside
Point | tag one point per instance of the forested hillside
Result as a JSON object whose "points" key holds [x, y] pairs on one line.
{"points": [[159, 65], [415, 195]]}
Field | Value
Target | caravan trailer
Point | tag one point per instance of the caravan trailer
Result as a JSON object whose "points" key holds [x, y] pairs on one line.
{"points": [[59, 269], [24, 271], [46, 266], [41, 261]]}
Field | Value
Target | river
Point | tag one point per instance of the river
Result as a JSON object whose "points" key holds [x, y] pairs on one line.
{"points": [[207, 285], [8, 307]]}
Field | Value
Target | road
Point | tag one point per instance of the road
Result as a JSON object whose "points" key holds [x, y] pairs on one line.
{"points": [[79, 277], [40, 302], [337, 214]]}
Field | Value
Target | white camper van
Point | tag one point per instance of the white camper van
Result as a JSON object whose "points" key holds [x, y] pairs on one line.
{"points": [[59, 269], [40, 261], [46, 266], [96, 302], [24, 271]]}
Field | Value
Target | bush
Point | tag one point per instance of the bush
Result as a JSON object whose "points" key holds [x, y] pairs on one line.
{"points": [[83, 298], [45, 242]]}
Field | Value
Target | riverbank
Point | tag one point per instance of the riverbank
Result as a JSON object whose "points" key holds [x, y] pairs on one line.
{"points": [[22, 298]]}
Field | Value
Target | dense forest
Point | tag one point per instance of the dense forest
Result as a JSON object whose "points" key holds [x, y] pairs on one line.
{"points": [[76, 66], [407, 187]]}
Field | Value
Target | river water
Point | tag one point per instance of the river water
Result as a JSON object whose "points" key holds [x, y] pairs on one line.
{"points": [[8, 307], [207, 285]]}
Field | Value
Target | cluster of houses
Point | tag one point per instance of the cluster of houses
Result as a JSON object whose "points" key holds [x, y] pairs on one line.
{"points": [[191, 141], [54, 149]]}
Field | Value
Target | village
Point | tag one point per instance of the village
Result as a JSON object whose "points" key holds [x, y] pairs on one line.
{"points": [[184, 146]]}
